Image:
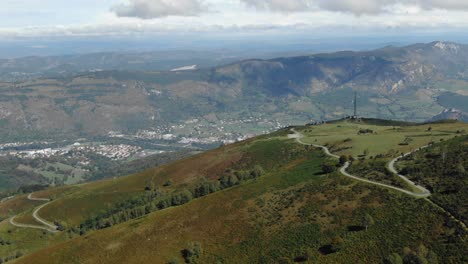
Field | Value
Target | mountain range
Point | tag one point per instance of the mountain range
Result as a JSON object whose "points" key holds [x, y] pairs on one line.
{"points": [[412, 83]]}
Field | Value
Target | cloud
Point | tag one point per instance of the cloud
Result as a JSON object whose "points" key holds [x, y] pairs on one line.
{"points": [[280, 5], [357, 7], [149, 9], [444, 4]]}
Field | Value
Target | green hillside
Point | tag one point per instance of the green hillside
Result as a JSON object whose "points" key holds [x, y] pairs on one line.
{"points": [[265, 200], [443, 169]]}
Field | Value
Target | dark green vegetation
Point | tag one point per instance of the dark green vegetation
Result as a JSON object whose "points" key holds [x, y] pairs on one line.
{"points": [[264, 200], [443, 169], [11, 177], [156, 198], [19, 175], [375, 169]]}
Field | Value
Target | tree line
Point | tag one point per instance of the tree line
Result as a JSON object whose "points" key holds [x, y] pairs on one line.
{"points": [[157, 198]]}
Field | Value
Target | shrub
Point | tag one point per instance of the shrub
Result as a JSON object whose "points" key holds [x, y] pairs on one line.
{"points": [[168, 183], [328, 167], [257, 171], [343, 159], [192, 253]]}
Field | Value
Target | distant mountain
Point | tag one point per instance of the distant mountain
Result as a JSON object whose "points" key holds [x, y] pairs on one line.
{"points": [[451, 114], [56, 66], [412, 83], [31, 67], [390, 70]]}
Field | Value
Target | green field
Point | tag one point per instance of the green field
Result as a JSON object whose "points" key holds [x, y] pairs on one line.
{"points": [[388, 140]]}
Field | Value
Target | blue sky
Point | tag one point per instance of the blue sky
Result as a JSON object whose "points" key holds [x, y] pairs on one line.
{"points": [[33, 18]]}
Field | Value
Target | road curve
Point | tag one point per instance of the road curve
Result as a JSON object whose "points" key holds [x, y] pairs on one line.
{"points": [[37, 199], [46, 225], [298, 136], [391, 166], [14, 223]]}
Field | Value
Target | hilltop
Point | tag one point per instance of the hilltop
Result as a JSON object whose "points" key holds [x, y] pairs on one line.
{"points": [[268, 199]]}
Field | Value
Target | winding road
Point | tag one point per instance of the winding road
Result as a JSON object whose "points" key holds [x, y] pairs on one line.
{"points": [[424, 193], [391, 168], [47, 226]]}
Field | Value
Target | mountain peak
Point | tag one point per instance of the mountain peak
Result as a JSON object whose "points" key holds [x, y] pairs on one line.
{"points": [[450, 114], [446, 46]]}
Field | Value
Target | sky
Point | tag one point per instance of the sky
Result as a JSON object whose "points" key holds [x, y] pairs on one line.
{"points": [[220, 20], [31, 18]]}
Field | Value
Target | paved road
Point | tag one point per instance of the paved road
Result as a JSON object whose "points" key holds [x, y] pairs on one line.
{"points": [[45, 224], [298, 136]]}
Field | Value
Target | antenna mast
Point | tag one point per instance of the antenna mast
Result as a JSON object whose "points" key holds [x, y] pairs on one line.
{"points": [[355, 104]]}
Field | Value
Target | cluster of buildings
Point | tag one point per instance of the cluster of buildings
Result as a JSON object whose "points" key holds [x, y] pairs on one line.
{"points": [[197, 131], [37, 153], [115, 152], [194, 131], [22, 144]]}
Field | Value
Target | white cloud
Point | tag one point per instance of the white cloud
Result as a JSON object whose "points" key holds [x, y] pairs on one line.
{"points": [[357, 7], [444, 4], [148, 9], [229, 16], [280, 5]]}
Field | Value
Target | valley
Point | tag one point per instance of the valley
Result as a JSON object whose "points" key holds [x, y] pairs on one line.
{"points": [[224, 102], [76, 127]]}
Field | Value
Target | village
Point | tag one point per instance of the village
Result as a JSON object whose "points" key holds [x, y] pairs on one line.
{"points": [[195, 132]]}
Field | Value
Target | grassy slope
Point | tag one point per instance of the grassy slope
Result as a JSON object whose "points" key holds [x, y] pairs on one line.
{"points": [[282, 215], [26, 240], [386, 139], [291, 210], [89, 199], [16, 205], [376, 149]]}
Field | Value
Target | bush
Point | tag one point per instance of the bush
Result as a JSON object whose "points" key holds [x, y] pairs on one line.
{"points": [[182, 197], [168, 183], [328, 167], [343, 159], [257, 171], [192, 253]]}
